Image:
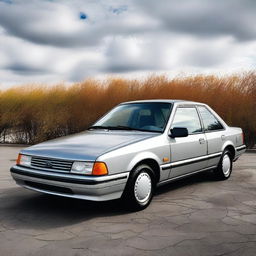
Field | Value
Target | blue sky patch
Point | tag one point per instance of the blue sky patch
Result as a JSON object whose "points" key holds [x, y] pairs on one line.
{"points": [[82, 16]]}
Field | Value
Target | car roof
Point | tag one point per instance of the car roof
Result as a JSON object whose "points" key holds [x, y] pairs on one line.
{"points": [[163, 101]]}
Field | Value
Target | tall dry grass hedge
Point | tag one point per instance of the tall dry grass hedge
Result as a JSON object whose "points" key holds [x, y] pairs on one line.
{"points": [[31, 114]]}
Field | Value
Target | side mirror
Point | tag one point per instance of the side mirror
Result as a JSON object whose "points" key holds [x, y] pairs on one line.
{"points": [[179, 132]]}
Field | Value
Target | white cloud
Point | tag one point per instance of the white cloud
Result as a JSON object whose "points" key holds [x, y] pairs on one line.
{"points": [[46, 41]]}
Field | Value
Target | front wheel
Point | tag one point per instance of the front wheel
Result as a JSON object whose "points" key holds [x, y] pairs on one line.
{"points": [[224, 168], [140, 188]]}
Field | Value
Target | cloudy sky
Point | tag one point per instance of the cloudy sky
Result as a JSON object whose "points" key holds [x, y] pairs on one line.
{"points": [[53, 41]]}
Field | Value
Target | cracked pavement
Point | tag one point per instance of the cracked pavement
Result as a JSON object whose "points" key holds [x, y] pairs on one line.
{"points": [[195, 216]]}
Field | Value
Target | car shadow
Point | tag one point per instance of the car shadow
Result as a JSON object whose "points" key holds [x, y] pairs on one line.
{"points": [[28, 209], [188, 181], [24, 209]]}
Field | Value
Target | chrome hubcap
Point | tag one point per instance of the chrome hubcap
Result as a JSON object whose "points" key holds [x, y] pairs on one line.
{"points": [[226, 164], [143, 187]]}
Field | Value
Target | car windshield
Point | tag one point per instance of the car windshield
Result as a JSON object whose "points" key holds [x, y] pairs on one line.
{"points": [[150, 117]]}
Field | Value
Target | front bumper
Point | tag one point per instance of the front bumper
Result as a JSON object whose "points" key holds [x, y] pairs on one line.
{"points": [[101, 188]]}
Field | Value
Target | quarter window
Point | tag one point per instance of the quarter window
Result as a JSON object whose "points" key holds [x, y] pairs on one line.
{"points": [[187, 118], [210, 122]]}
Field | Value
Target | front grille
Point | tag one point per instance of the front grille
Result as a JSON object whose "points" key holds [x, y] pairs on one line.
{"points": [[52, 164]]}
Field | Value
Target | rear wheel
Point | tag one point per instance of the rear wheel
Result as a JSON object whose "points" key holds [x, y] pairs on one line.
{"points": [[224, 168], [140, 188]]}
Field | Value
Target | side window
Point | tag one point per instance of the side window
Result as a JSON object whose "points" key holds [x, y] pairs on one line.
{"points": [[210, 122], [188, 118]]}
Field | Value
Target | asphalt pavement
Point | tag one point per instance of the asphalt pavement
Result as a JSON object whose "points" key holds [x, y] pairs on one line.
{"points": [[195, 216]]}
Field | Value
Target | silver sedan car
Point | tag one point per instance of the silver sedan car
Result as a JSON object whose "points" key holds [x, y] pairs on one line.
{"points": [[134, 148]]}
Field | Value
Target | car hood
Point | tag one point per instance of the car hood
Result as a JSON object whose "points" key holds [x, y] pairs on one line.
{"points": [[87, 145]]}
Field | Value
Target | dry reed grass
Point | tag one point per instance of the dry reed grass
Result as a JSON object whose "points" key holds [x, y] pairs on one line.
{"points": [[33, 114]]}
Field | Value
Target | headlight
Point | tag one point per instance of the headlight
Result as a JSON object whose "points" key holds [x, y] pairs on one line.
{"points": [[82, 167], [23, 160], [89, 168]]}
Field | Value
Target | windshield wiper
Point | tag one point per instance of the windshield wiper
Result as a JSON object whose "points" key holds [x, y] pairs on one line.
{"points": [[98, 127], [120, 127]]}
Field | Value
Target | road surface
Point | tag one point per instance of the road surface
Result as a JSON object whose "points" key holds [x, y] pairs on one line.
{"points": [[195, 216]]}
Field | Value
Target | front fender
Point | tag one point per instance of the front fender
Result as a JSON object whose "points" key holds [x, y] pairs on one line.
{"points": [[143, 156]]}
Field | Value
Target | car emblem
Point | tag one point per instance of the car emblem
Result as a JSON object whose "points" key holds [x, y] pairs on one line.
{"points": [[48, 164]]}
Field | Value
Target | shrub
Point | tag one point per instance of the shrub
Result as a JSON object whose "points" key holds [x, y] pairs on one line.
{"points": [[31, 114]]}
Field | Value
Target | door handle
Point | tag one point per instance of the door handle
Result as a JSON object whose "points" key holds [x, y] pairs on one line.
{"points": [[201, 141]]}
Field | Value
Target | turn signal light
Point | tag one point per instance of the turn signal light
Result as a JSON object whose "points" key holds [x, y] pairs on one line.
{"points": [[99, 168], [18, 159]]}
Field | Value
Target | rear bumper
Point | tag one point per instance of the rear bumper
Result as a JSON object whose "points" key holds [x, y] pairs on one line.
{"points": [[100, 188], [239, 151]]}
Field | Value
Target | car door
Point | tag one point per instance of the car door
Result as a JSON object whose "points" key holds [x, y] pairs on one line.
{"points": [[215, 134], [186, 152]]}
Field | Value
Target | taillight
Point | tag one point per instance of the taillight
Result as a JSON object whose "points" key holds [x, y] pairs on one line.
{"points": [[243, 138]]}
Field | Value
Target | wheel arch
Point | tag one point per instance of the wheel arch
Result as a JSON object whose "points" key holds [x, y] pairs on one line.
{"points": [[150, 160], [153, 164], [231, 149]]}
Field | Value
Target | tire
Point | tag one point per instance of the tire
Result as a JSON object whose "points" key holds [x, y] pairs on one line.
{"points": [[140, 188], [224, 169]]}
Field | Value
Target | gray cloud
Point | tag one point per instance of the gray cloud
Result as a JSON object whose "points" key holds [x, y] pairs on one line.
{"points": [[206, 18], [25, 70], [46, 23], [48, 41], [57, 24]]}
